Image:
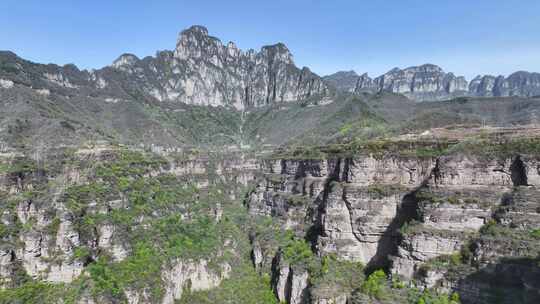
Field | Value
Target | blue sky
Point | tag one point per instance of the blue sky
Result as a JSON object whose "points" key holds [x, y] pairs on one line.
{"points": [[465, 37]]}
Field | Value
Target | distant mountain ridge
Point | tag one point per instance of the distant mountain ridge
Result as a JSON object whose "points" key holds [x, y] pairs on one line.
{"points": [[201, 70], [207, 93], [430, 82]]}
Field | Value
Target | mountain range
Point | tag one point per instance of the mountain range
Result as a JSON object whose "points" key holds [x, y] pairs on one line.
{"points": [[429, 82], [209, 174], [211, 93], [201, 70]]}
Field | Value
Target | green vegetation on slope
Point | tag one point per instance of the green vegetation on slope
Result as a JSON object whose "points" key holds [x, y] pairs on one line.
{"points": [[476, 146], [157, 217], [244, 286]]}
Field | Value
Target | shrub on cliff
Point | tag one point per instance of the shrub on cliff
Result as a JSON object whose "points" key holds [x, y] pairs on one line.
{"points": [[375, 285]]}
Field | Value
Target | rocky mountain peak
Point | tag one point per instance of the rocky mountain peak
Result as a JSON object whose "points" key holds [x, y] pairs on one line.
{"points": [[423, 82], [195, 42], [195, 30], [231, 45], [478, 77], [521, 83], [350, 73], [194, 33], [524, 76], [278, 52], [483, 85], [424, 68], [365, 84], [125, 60], [201, 70], [204, 71], [429, 82], [343, 80], [428, 67]]}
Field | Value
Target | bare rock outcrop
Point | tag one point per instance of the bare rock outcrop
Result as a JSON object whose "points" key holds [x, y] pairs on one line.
{"points": [[290, 283], [429, 82]]}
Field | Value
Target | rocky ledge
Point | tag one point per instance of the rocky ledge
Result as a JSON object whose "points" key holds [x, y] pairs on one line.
{"points": [[418, 216]]}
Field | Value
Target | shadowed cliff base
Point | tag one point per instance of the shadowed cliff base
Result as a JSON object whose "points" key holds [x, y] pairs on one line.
{"points": [[510, 281]]}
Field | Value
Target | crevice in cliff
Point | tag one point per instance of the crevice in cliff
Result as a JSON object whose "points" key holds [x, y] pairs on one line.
{"points": [[274, 269], [407, 211], [334, 176], [289, 286], [518, 172], [88, 260], [316, 212], [435, 173], [247, 99], [390, 239], [347, 172], [316, 229], [277, 276], [300, 171], [283, 165]]}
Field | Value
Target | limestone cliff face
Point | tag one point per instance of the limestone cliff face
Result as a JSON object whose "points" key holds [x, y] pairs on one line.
{"points": [[203, 71], [429, 82], [520, 83], [345, 81], [408, 213], [194, 275], [365, 84], [425, 82], [352, 201], [49, 237], [404, 212], [420, 83], [485, 85], [290, 284], [456, 201]]}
